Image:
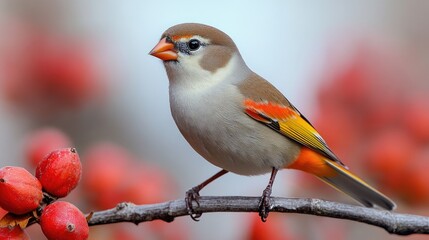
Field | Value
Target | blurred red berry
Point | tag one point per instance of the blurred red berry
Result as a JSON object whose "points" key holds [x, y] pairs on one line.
{"points": [[64, 72], [46, 72], [112, 175], [146, 184], [339, 128], [20, 191], [382, 111], [169, 230], [415, 181], [274, 229], [14, 233], [106, 169], [59, 172], [389, 154], [416, 118], [123, 233], [43, 141], [62, 220], [353, 83]]}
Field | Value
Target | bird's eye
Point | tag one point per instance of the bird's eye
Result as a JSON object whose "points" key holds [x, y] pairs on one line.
{"points": [[194, 44]]}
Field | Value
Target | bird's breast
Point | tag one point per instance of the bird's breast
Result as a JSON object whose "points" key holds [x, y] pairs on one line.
{"points": [[215, 125]]}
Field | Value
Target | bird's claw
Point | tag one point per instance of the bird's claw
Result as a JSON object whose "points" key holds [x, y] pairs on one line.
{"points": [[193, 195], [265, 204]]}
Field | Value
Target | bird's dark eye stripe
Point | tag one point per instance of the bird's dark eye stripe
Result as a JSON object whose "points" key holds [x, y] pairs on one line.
{"points": [[185, 47], [182, 47]]}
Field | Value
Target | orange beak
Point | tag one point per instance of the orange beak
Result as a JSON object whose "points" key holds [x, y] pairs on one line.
{"points": [[164, 50]]}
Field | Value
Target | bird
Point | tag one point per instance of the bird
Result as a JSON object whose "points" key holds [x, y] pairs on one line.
{"points": [[241, 123]]}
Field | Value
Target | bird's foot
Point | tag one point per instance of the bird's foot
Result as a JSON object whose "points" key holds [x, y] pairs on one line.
{"points": [[265, 204], [193, 195]]}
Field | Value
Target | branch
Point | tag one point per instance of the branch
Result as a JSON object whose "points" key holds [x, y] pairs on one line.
{"points": [[395, 223]]}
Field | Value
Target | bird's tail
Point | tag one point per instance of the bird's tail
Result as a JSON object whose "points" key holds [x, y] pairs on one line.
{"points": [[343, 180], [356, 188]]}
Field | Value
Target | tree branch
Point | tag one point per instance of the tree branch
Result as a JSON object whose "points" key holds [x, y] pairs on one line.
{"points": [[395, 223]]}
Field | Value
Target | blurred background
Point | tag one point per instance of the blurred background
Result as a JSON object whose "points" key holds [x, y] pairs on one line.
{"points": [[78, 73]]}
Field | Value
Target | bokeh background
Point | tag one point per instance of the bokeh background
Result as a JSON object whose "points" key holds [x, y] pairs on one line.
{"points": [[77, 73]]}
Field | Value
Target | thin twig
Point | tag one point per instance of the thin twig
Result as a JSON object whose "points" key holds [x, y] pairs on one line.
{"points": [[395, 223]]}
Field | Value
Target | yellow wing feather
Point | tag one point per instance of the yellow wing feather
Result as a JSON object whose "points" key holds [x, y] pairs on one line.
{"points": [[289, 123]]}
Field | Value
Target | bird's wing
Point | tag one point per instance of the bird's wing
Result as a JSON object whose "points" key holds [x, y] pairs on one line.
{"points": [[290, 123]]}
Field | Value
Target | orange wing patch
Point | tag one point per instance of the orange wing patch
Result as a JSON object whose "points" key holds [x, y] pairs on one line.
{"points": [[272, 110], [288, 122]]}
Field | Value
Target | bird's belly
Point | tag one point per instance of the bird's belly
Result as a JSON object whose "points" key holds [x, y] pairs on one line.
{"points": [[216, 126], [228, 138]]}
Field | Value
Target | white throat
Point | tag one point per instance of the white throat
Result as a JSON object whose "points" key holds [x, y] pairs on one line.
{"points": [[189, 75]]}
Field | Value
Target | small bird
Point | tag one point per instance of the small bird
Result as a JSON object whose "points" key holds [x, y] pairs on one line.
{"points": [[240, 122]]}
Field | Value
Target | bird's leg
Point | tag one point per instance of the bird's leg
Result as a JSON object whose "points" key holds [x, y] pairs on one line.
{"points": [[264, 204], [193, 195]]}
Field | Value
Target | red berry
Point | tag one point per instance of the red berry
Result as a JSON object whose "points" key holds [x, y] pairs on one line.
{"points": [[14, 233], [60, 172], [43, 141], [20, 191], [62, 220]]}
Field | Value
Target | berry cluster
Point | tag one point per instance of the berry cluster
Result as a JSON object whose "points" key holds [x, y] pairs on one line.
{"points": [[112, 175], [29, 198], [375, 114]]}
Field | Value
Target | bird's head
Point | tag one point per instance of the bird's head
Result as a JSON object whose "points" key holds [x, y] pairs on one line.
{"points": [[194, 49]]}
